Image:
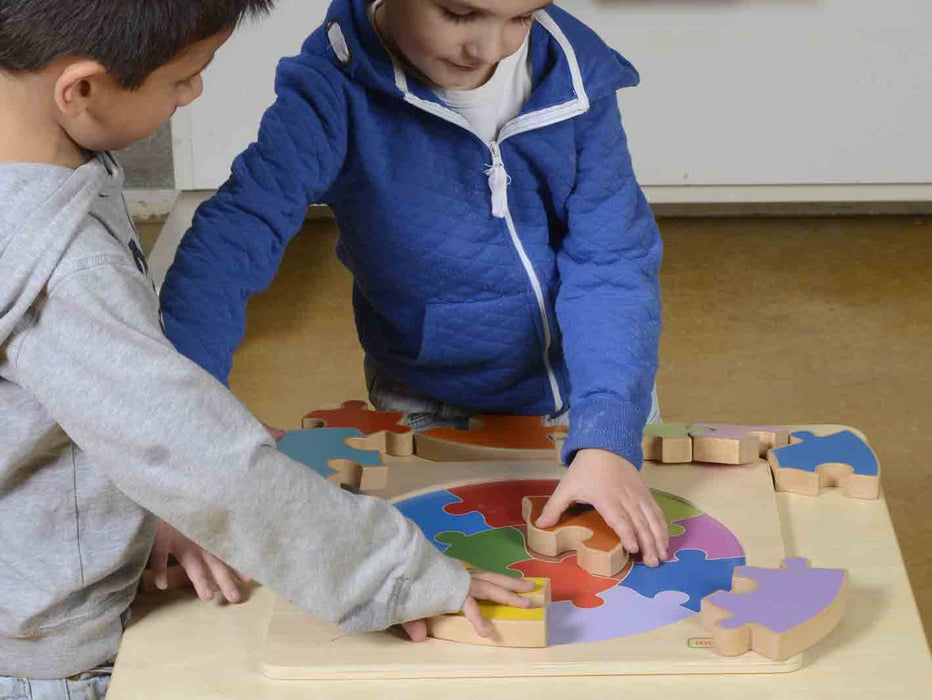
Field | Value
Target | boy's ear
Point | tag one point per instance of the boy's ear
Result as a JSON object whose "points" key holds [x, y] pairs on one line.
{"points": [[76, 85]]}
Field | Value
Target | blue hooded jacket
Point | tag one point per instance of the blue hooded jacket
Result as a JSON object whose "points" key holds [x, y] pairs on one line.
{"points": [[514, 277]]}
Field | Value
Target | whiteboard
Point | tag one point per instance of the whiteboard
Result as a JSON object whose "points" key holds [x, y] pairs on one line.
{"points": [[733, 92]]}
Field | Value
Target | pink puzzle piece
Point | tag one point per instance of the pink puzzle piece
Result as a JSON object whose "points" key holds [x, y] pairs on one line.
{"points": [[707, 534], [776, 612], [738, 443]]}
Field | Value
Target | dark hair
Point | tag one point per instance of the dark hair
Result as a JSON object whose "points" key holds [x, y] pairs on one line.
{"points": [[130, 38]]}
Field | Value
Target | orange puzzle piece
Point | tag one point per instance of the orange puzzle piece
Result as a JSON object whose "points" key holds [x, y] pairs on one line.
{"points": [[598, 548], [397, 438], [492, 437]]}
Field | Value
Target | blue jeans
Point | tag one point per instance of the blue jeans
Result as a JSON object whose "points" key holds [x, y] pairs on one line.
{"points": [[91, 685], [424, 413]]}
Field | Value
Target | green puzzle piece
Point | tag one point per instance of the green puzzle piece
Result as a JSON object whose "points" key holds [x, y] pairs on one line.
{"points": [[666, 430], [491, 550], [675, 509]]}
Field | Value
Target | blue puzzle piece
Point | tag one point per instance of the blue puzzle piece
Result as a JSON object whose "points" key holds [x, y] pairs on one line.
{"points": [[691, 574], [315, 447], [428, 511], [841, 448]]}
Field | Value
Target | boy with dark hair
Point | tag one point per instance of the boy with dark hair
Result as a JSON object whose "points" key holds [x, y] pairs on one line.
{"points": [[102, 423]]}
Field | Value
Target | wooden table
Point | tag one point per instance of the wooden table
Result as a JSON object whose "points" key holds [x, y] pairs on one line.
{"points": [[179, 647]]}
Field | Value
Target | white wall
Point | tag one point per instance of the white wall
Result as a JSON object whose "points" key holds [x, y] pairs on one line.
{"points": [[780, 99]]}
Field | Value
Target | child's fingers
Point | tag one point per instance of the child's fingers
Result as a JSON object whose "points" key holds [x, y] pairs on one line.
{"points": [[479, 623], [512, 583], [415, 629], [658, 527], [158, 564], [197, 572], [484, 590], [644, 534], [223, 576], [553, 509], [243, 578], [617, 519]]}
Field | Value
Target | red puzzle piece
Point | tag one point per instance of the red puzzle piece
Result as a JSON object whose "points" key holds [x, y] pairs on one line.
{"points": [[568, 581], [356, 414], [499, 501]]}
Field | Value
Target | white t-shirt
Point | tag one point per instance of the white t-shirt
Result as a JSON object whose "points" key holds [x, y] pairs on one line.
{"points": [[489, 107]]}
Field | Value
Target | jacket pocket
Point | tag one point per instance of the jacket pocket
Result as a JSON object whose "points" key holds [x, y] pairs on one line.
{"points": [[494, 332]]}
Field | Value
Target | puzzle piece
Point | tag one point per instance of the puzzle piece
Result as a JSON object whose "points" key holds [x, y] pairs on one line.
{"points": [[491, 438], [692, 573], [511, 626], [569, 582], [329, 452], [721, 443], [429, 512], [675, 510], [395, 439], [492, 550], [499, 501], [811, 463], [668, 443], [776, 612], [632, 614], [580, 528], [707, 534]]}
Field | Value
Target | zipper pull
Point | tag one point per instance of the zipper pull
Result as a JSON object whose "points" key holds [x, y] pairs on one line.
{"points": [[498, 182]]}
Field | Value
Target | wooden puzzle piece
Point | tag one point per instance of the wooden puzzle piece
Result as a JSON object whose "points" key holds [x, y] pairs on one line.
{"points": [[569, 582], [691, 573], [811, 463], [580, 528], [394, 438], [668, 443], [775, 612], [512, 627], [708, 535], [721, 443], [492, 438], [336, 454]]}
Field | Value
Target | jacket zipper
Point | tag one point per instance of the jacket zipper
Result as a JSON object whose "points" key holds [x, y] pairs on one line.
{"points": [[498, 184]]}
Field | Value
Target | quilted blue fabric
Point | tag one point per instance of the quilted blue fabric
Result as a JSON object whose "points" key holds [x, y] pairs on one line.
{"points": [[444, 301]]}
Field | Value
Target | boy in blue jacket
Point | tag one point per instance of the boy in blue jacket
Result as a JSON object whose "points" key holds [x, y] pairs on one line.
{"points": [[505, 259]]}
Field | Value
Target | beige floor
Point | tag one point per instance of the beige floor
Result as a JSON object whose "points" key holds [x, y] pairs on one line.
{"points": [[765, 321]]}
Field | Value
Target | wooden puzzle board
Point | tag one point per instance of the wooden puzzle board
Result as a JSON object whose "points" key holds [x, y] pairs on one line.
{"points": [[299, 646]]}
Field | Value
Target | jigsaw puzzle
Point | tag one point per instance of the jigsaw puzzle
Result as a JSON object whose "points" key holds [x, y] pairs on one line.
{"points": [[335, 454], [492, 437], [811, 463], [483, 524], [776, 612], [392, 437]]}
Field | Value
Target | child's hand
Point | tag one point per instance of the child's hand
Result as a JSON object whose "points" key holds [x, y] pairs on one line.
{"points": [[204, 570], [276, 433], [484, 586], [613, 485]]}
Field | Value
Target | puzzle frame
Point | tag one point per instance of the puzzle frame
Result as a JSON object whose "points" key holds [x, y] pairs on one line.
{"points": [[300, 647]]}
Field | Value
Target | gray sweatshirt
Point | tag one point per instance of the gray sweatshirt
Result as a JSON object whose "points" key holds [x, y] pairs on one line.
{"points": [[103, 424]]}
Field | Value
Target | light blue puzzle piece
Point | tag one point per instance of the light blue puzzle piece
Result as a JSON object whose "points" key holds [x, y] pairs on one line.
{"points": [[691, 574], [841, 448], [429, 512], [315, 447]]}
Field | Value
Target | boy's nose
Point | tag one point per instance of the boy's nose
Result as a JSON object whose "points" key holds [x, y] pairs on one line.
{"points": [[487, 48], [193, 92]]}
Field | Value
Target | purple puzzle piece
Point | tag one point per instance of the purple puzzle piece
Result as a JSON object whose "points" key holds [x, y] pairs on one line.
{"points": [[707, 534], [784, 598], [631, 613]]}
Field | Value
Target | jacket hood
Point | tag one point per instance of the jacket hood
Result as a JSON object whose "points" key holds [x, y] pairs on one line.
{"points": [[570, 63], [42, 209]]}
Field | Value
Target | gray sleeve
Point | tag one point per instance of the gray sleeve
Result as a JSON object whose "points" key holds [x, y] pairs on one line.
{"points": [[177, 442]]}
